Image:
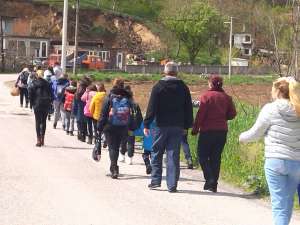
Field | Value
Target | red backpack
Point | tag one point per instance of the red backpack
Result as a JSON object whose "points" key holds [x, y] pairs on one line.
{"points": [[68, 101]]}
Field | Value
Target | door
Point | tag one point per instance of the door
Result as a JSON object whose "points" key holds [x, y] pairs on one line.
{"points": [[119, 60]]}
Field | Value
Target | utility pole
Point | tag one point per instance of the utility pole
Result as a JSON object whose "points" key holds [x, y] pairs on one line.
{"points": [[230, 47], [2, 45], [64, 37], [76, 37]]}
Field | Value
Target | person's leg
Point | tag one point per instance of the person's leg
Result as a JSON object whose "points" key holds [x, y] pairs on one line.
{"points": [[68, 121], [72, 121], [204, 151], [277, 179], [37, 116], [146, 158], [21, 96], [123, 148], [130, 145], [173, 156], [187, 151], [159, 146], [63, 115], [90, 134], [215, 159], [26, 97], [56, 105], [44, 115]]}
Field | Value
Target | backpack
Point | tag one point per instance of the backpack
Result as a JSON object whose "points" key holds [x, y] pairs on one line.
{"points": [[60, 91], [120, 111], [68, 105], [23, 79], [44, 99], [136, 117]]}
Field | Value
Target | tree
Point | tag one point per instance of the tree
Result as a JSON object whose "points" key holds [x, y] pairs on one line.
{"points": [[195, 25]]}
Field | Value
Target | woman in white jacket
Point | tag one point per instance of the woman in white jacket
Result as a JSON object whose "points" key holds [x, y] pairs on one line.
{"points": [[279, 124]]}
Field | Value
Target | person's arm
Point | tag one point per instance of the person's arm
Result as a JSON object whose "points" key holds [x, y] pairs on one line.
{"points": [[259, 129], [104, 115], [151, 109], [84, 96], [201, 114], [18, 79], [188, 110], [231, 112]]}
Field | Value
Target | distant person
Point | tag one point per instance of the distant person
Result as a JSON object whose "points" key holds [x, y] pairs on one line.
{"points": [[40, 97], [114, 122], [48, 73], [279, 124], [58, 89], [170, 105], [57, 70], [22, 84], [68, 107], [216, 107], [32, 77], [96, 109], [87, 97], [128, 143]]}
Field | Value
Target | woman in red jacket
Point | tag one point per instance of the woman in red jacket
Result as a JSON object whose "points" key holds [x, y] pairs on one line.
{"points": [[216, 107]]}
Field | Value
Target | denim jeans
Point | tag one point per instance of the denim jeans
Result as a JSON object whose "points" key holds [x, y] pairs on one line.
{"points": [[69, 121], [283, 177], [127, 145], [186, 148], [166, 139], [59, 112]]}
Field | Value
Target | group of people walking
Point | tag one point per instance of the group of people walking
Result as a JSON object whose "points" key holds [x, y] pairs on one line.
{"points": [[168, 118]]}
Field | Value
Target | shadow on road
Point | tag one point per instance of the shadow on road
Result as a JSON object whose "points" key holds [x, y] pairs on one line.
{"points": [[50, 147], [134, 177]]}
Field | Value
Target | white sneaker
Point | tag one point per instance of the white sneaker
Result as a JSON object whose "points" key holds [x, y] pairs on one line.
{"points": [[129, 160], [122, 158]]}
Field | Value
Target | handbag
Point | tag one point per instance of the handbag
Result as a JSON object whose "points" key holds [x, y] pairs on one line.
{"points": [[15, 91]]}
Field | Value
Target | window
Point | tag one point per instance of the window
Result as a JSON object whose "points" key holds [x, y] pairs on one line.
{"points": [[104, 55], [247, 38], [247, 51], [43, 49]]}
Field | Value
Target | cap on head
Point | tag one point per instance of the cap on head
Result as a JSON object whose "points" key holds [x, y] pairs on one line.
{"points": [[171, 68]]}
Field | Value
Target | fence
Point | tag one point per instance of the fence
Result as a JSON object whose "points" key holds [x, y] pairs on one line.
{"points": [[197, 69]]}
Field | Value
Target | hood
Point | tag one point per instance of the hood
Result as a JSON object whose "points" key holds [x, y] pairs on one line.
{"points": [[120, 92], [169, 85], [286, 110]]}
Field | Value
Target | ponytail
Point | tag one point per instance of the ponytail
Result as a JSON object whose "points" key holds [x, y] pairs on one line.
{"points": [[294, 91]]}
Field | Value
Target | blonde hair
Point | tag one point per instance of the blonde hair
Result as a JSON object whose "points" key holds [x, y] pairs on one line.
{"points": [[294, 89], [118, 82], [280, 89]]}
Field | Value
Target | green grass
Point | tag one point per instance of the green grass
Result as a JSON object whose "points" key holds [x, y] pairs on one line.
{"points": [[188, 78]]}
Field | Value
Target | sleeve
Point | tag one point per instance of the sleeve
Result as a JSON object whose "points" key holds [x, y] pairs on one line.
{"points": [[231, 113], [259, 129], [188, 114], [201, 114], [104, 115], [84, 96], [151, 109], [17, 81]]}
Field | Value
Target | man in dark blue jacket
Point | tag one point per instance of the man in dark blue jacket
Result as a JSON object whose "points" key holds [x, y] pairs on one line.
{"points": [[170, 105]]}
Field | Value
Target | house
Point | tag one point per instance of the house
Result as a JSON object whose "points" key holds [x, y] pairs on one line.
{"points": [[20, 47], [244, 43]]}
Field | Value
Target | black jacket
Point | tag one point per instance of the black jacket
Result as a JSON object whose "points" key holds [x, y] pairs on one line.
{"points": [[170, 104], [40, 94], [103, 121]]}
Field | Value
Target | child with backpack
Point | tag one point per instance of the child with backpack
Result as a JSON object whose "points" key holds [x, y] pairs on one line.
{"points": [[114, 121], [68, 105], [95, 109], [87, 97], [127, 144]]}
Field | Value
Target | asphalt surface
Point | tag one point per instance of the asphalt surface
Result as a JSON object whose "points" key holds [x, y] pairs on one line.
{"points": [[60, 184]]}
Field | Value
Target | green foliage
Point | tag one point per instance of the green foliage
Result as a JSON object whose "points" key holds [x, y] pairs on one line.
{"points": [[195, 25]]}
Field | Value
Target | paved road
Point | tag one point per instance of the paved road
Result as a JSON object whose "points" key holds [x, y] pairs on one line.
{"points": [[60, 185]]}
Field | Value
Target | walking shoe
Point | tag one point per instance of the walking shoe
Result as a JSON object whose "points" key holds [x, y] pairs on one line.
{"points": [[64, 127], [54, 125], [190, 164], [153, 186], [129, 160], [67, 132], [26, 105], [208, 184], [38, 142], [90, 140], [148, 169], [115, 172], [105, 144], [122, 158], [82, 138], [49, 117], [42, 140], [213, 189], [172, 190], [71, 133]]}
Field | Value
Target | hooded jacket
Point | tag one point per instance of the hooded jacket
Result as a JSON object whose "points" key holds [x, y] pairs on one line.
{"points": [[104, 119], [40, 95], [170, 104], [96, 105], [87, 98], [280, 126], [58, 86]]}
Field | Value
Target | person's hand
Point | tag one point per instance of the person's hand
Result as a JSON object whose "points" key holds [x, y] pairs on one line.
{"points": [[185, 132], [146, 132], [194, 132]]}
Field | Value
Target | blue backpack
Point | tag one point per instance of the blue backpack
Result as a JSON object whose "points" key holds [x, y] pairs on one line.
{"points": [[120, 112]]}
